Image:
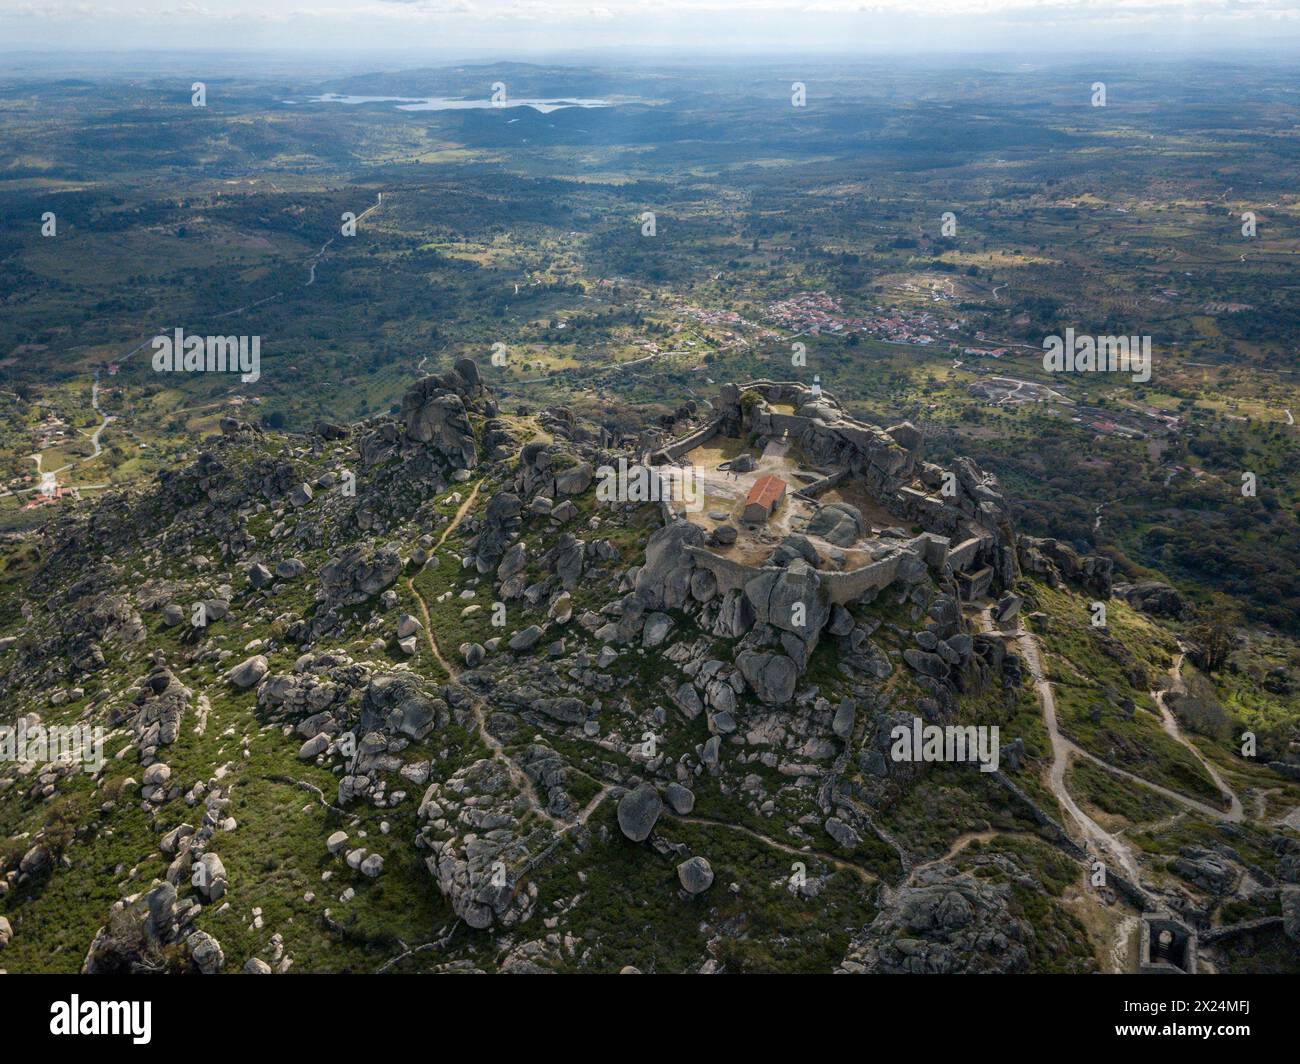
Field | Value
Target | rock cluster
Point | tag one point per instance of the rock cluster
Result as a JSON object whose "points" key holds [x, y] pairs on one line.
{"points": [[943, 922], [435, 411]]}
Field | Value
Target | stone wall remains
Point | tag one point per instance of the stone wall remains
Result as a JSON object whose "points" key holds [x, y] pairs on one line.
{"points": [[679, 448], [841, 588]]}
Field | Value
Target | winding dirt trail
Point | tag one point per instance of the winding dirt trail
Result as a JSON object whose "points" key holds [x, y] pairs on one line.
{"points": [[776, 844], [585, 813], [960, 843], [428, 629], [517, 775], [1063, 749], [315, 259], [424, 609], [1235, 813], [94, 403], [479, 708], [461, 511], [1191, 804]]}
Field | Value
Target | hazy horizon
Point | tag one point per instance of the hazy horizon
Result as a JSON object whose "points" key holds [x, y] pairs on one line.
{"points": [[465, 29]]}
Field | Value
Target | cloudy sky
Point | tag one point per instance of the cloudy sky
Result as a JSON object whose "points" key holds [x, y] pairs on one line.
{"points": [[469, 27]]}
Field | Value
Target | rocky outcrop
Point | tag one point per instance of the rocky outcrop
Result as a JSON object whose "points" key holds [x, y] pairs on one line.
{"points": [[1155, 598], [501, 521], [825, 434], [358, 574], [664, 581], [942, 922], [638, 812], [435, 412], [477, 850], [772, 677], [695, 875], [88, 624], [396, 703], [155, 714], [838, 523], [1058, 563], [248, 673], [153, 933], [790, 599]]}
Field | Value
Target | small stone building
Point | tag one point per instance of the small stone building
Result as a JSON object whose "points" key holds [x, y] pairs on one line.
{"points": [[763, 499], [1167, 946]]}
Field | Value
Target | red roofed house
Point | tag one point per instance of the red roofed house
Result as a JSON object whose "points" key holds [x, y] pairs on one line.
{"points": [[763, 499]]}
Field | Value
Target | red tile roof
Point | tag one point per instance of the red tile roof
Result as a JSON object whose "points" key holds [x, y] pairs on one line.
{"points": [[767, 492]]}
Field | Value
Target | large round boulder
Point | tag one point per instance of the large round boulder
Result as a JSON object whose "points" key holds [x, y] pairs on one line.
{"points": [[695, 875], [638, 811], [247, 673], [838, 523]]}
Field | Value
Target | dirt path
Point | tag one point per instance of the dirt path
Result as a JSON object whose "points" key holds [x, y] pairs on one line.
{"points": [[960, 843], [424, 609], [594, 804], [312, 262], [1290, 819], [460, 515], [1062, 748], [379, 199], [428, 630], [311, 277], [479, 708], [1174, 796], [794, 851], [1120, 953], [1235, 814]]}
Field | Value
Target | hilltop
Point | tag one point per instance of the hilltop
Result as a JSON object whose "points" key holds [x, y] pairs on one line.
{"points": [[407, 694]]}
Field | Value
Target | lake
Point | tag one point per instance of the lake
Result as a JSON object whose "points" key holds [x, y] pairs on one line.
{"points": [[442, 103]]}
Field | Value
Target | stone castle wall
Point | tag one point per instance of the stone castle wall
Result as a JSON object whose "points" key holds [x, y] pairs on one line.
{"points": [[841, 588], [962, 532], [680, 448], [818, 487]]}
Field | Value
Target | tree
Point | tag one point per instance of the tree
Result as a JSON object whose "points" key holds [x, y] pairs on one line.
{"points": [[1214, 632]]}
